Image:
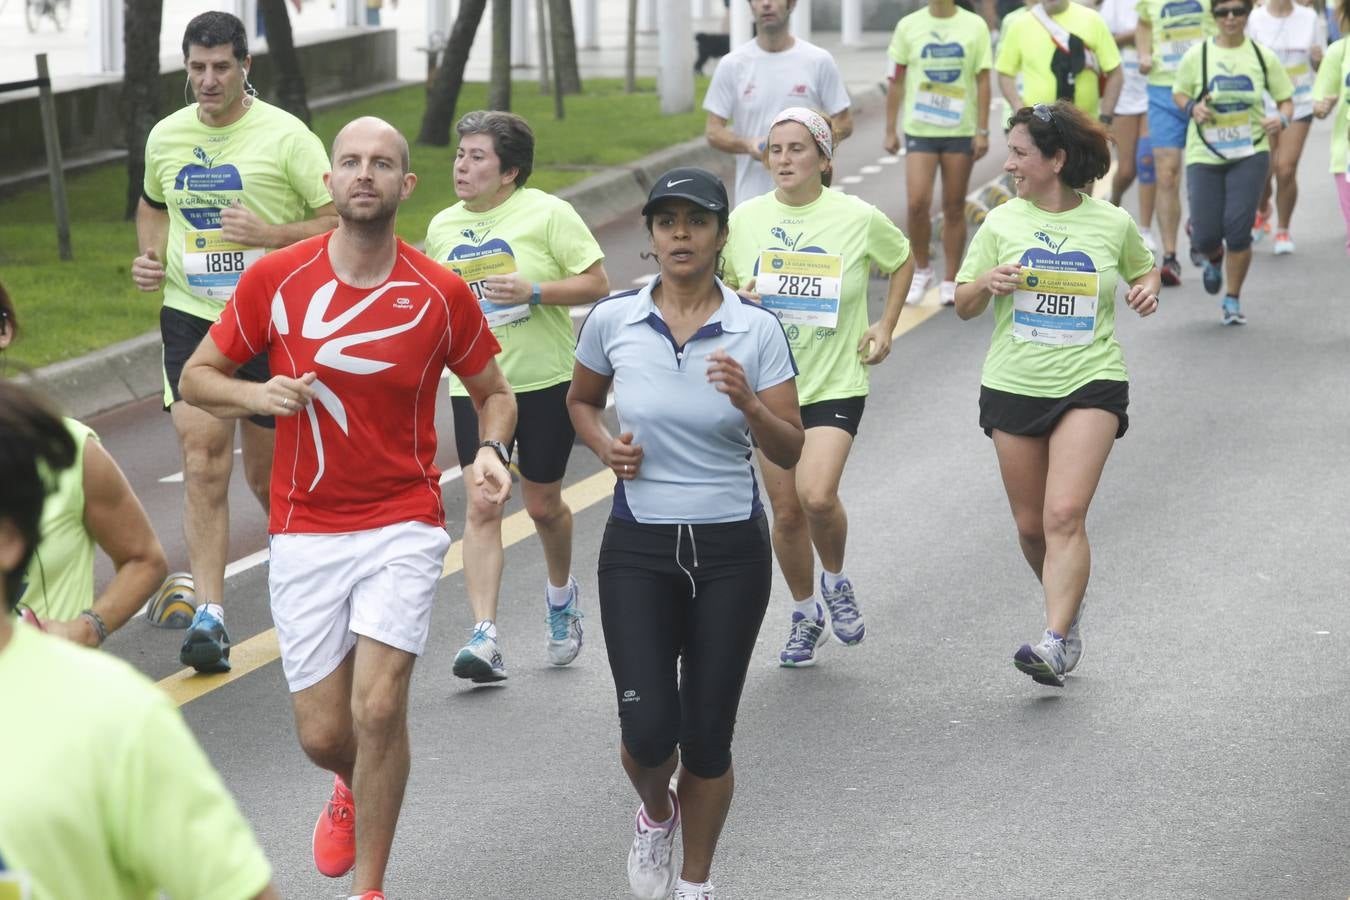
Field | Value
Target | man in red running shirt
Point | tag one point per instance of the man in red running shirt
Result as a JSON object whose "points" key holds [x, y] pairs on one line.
{"points": [[358, 327]]}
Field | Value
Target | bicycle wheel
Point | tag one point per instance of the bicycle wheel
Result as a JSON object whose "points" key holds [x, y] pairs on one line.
{"points": [[60, 13], [32, 14]]}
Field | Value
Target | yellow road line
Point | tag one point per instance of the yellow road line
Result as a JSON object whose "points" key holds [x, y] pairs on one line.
{"points": [[187, 685]]}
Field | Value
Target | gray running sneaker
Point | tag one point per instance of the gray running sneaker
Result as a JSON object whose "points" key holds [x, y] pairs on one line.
{"points": [[1073, 642], [1043, 662], [846, 621]]}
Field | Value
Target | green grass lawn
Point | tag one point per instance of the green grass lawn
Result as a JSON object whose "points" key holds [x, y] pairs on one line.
{"points": [[68, 309]]}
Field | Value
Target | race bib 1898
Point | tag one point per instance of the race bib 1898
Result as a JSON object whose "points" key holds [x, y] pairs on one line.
{"points": [[212, 265], [801, 288]]}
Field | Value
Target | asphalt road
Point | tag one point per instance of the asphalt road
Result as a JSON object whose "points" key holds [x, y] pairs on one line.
{"points": [[1197, 752]]}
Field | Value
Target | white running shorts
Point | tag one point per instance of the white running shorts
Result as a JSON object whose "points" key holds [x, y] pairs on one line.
{"points": [[328, 588]]}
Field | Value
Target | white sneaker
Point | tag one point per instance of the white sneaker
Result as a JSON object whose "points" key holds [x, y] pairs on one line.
{"points": [[919, 286], [564, 627], [947, 293], [651, 868], [688, 890], [1149, 240]]}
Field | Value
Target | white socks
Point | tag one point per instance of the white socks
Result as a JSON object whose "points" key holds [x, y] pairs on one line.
{"points": [[489, 627], [810, 608], [558, 596], [831, 579], [216, 610]]}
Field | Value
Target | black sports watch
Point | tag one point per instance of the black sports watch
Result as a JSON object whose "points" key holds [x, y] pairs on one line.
{"points": [[503, 453]]}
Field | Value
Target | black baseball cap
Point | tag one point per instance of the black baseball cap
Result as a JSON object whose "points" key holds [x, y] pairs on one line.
{"points": [[687, 183]]}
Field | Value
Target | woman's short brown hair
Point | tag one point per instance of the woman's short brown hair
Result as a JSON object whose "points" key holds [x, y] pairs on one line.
{"points": [[1063, 126]]}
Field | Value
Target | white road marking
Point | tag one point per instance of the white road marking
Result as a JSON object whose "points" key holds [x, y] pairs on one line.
{"points": [[889, 160], [870, 170], [641, 280], [851, 179]]}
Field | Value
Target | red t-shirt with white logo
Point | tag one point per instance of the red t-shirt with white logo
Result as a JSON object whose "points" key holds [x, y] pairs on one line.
{"points": [[360, 456]]}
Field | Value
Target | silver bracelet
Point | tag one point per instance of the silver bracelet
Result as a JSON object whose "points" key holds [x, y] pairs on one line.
{"points": [[96, 620]]}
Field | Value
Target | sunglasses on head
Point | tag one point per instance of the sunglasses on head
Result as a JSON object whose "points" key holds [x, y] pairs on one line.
{"points": [[1230, 12]]}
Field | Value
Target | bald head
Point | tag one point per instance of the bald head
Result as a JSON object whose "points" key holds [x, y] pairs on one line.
{"points": [[373, 134]]}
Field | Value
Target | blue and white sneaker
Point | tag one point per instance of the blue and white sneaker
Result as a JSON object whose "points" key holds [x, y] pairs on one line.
{"points": [[1232, 312], [846, 621], [804, 637], [1073, 642], [1043, 662], [564, 627], [480, 660], [1212, 276], [206, 647]]}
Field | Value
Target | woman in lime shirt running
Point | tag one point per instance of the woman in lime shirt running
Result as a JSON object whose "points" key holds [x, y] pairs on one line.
{"points": [[91, 504], [1219, 86], [805, 252], [1054, 390], [1333, 84]]}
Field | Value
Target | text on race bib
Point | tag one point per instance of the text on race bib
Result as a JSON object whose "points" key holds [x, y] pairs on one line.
{"points": [[1176, 41], [939, 104], [212, 265], [475, 273], [1230, 133], [1302, 77], [801, 288], [1055, 308]]}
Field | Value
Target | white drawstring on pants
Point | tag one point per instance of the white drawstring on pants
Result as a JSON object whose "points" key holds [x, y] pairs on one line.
{"points": [[679, 533]]}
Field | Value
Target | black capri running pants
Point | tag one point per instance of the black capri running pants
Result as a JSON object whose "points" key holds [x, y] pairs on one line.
{"points": [[1223, 201], [681, 608]]}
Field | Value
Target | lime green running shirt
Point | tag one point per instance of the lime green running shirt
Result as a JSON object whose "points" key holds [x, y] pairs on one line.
{"points": [[1026, 49], [268, 161], [1178, 25], [816, 261], [942, 57], [544, 239], [1333, 80], [59, 582], [1236, 87], [1056, 333], [103, 790]]}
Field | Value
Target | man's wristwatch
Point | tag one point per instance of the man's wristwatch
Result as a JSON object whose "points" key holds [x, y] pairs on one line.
{"points": [[500, 449], [1106, 118], [982, 132]]}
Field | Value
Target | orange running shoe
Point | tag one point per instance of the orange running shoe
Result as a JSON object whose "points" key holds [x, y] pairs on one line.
{"points": [[373, 895], [1261, 227], [335, 833]]}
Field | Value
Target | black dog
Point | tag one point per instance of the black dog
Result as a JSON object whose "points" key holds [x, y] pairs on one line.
{"points": [[710, 45]]}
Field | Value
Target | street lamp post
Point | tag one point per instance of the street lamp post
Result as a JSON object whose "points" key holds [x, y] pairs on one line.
{"points": [[676, 78]]}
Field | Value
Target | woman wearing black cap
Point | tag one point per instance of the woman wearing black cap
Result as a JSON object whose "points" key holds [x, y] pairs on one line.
{"points": [[685, 566]]}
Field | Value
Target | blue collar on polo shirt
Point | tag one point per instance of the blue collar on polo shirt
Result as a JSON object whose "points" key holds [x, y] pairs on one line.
{"points": [[729, 317]]}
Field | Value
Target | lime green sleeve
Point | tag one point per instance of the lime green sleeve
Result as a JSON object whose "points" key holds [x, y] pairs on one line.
{"points": [[731, 276], [887, 245], [151, 185], [1187, 80], [1010, 51], [164, 796], [898, 50], [1135, 260], [306, 164], [570, 242], [1328, 82], [1143, 9], [983, 52], [981, 255]]}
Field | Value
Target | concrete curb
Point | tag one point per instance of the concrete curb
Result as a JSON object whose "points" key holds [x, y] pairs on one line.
{"points": [[131, 370]]}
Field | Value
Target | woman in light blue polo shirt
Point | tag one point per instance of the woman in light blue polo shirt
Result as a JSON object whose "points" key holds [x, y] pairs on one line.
{"points": [[685, 565]]}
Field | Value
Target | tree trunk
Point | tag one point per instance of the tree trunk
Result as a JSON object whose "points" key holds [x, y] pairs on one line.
{"points": [[541, 13], [140, 89], [565, 45], [630, 54], [444, 93], [499, 85], [290, 80]]}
